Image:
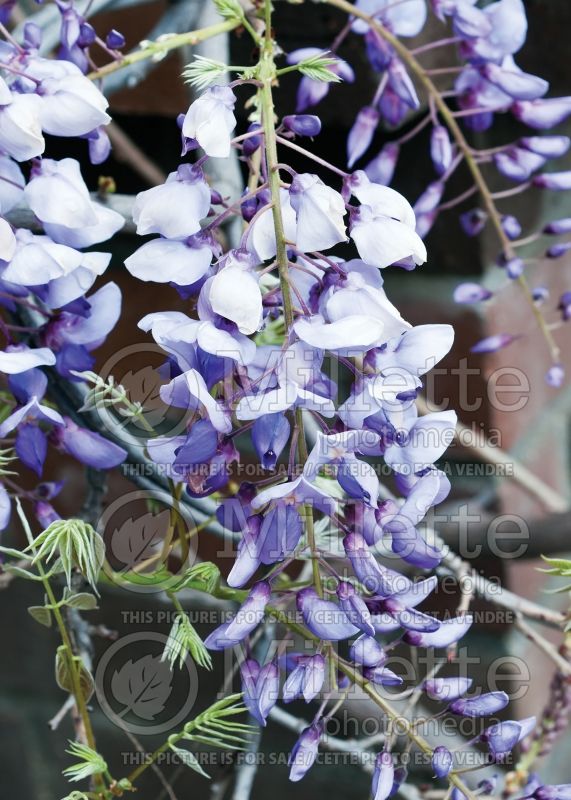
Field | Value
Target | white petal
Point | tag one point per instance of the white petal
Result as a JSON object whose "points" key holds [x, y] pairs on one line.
{"points": [[21, 361], [224, 344], [174, 209], [382, 199], [20, 129], [235, 294], [384, 241], [279, 399], [163, 261], [219, 418], [354, 331], [7, 241], [107, 224]]}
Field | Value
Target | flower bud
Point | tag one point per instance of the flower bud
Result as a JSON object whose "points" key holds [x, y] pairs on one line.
{"points": [[511, 227], [304, 752], [383, 776], [558, 227], [361, 134], [469, 293], [382, 168], [481, 706], [440, 149], [555, 376], [252, 143], [558, 250], [546, 146], [556, 181], [446, 689], [441, 761], [491, 344], [302, 124], [115, 40], [542, 114], [473, 221]]}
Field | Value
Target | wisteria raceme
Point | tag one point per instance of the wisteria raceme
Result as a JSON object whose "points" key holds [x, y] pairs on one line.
{"points": [[488, 38], [290, 354]]}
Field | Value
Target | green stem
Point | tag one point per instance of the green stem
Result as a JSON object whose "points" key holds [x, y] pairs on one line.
{"points": [[132, 777], [267, 75], [456, 131], [160, 49]]}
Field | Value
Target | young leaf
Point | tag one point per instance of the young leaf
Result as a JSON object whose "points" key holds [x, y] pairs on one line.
{"points": [[76, 543], [184, 639], [204, 71], [229, 9], [84, 601], [188, 759], [90, 762], [41, 614], [63, 675], [318, 68], [206, 573]]}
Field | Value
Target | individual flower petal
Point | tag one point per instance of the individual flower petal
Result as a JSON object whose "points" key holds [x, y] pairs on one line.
{"points": [[405, 19], [324, 618], [12, 184], [382, 168], [383, 776], [210, 120], [235, 294], [5, 508], [382, 241], [446, 689], [503, 737], [270, 435], [351, 332], [556, 181], [19, 358], [57, 194], [32, 410], [361, 134], [71, 104], [491, 344], [440, 149], [304, 753], [88, 447], [484, 704], [514, 82], [31, 447], [450, 631], [382, 676], [546, 146], [261, 235], [471, 293], [165, 261], [542, 114], [175, 208], [8, 242], [215, 412], [319, 213], [367, 651], [355, 608], [20, 127]]}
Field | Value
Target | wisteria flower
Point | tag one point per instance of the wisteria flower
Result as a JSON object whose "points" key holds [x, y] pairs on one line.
{"points": [[174, 209], [210, 121]]}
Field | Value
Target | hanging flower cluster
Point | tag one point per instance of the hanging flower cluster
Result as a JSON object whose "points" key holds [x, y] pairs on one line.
{"points": [[482, 81]]}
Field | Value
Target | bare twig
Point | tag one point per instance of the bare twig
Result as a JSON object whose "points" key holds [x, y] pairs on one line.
{"points": [[544, 645], [128, 152]]}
